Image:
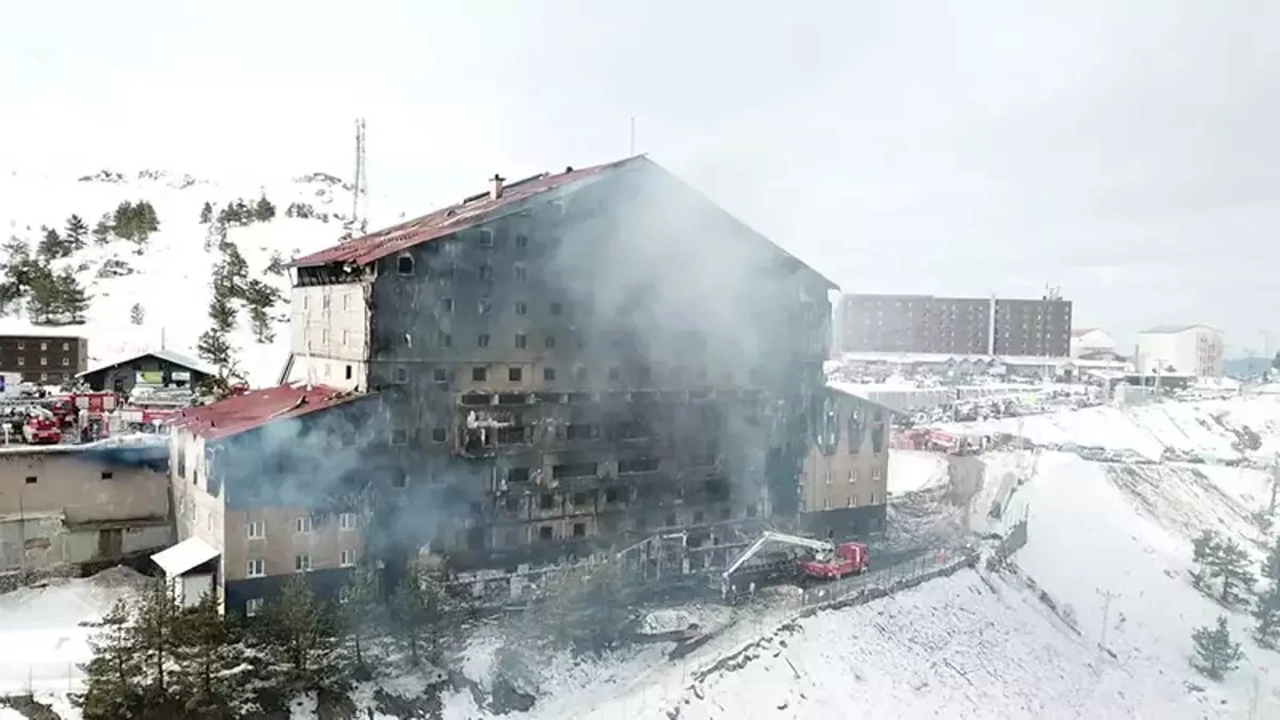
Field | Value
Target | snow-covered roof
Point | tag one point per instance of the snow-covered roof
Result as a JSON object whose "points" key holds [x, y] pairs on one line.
{"points": [[184, 556], [172, 356], [1174, 329]]}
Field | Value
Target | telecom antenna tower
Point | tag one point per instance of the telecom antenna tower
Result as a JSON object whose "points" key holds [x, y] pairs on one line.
{"points": [[360, 184]]}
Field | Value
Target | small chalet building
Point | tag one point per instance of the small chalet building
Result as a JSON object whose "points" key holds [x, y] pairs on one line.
{"points": [[259, 478], [844, 485], [163, 368]]}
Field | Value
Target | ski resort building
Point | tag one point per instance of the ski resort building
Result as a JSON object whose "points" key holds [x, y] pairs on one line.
{"points": [[44, 359], [844, 486], [555, 367]]}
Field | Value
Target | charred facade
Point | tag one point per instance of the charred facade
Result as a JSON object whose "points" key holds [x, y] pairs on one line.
{"points": [[570, 363]]}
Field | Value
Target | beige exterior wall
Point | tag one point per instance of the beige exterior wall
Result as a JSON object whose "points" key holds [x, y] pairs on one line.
{"points": [[851, 476], [197, 513], [84, 487], [281, 543], [329, 334]]}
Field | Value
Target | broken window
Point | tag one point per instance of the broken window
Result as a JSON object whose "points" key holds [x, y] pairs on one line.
{"points": [[446, 304], [513, 504], [486, 272], [522, 341], [512, 435], [557, 308], [514, 374], [483, 340], [580, 431], [107, 475], [31, 480], [637, 465], [672, 520], [522, 241], [579, 530], [567, 470], [544, 532], [484, 307], [519, 474], [522, 308], [520, 271], [446, 340], [404, 264], [486, 238], [399, 479], [877, 439], [399, 436], [400, 375], [579, 499], [547, 501], [439, 434], [611, 495], [549, 374], [551, 341], [348, 373], [479, 374], [440, 375], [614, 374]]}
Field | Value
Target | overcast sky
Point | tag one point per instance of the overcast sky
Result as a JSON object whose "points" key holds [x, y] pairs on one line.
{"points": [[1124, 150]]}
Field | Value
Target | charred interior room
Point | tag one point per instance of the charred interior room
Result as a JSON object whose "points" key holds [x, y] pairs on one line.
{"points": [[571, 363]]}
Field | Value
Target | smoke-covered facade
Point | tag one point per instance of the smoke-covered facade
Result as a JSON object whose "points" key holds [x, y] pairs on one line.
{"points": [[569, 364]]}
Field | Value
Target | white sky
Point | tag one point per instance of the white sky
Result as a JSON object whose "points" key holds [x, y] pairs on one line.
{"points": [[1125, 150]]}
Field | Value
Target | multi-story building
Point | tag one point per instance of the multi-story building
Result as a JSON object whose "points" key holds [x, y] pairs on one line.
{"points": [[564, 364], [1180, 350], [844, 485], [955, 326], [44, 359]]}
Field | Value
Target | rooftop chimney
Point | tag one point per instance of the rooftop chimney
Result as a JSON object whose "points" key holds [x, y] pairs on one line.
{"points": [[495, 186]]}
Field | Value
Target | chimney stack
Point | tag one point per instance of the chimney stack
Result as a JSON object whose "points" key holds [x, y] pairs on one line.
{"points": [[495, 186]]}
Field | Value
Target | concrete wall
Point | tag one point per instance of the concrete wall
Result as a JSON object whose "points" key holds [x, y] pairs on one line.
{"points": [[329, 334], [45, 542], [84, 486]]}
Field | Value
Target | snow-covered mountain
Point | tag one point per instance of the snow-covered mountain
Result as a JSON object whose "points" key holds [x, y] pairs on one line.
{"points": [[168, 275]]}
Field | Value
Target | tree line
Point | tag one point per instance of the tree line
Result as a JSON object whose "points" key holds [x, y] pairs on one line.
{"points": [[1223, 570], [157, 659], [238, 213], [234, 289]]}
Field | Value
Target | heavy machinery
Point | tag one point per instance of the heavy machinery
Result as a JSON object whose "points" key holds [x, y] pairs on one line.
{"points": [[829, 561]]}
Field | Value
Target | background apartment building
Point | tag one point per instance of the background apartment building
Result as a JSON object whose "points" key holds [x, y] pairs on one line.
{"points": [[46, 359], [953, 325], [1180, 350]]}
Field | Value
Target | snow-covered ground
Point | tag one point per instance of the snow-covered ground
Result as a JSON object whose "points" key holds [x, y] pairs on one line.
{"points": [[913, 470], [170, 278]]}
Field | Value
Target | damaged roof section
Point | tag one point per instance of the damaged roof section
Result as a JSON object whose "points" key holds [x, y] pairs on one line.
{"points": [[446, 221], [242, 413]]}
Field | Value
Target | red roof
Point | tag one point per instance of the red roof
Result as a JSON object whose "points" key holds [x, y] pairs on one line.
{"points": [[447, 221], [241, 413]]}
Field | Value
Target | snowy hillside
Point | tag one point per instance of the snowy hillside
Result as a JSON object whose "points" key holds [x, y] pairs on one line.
{"points": [[167, 275]]}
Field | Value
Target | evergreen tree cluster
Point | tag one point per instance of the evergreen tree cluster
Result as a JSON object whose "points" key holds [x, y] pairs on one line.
{"points": [[1216, 653], [159, 660], [132, 221], [52, 297], [232, 289], [305, 211], [238, 213], [1266, 610], [1222, 568]]}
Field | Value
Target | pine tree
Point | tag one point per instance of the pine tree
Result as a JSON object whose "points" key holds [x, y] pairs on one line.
{"points": [[103, 230], [260, 298], [210, 664], [155, 640], [1205, 550], [136, 314], [75, 232], [112, 685], [222, 313], [263, 210], [214, 348], [420, 614], [299, 645], [360, 607], [51, 245], [1216, 655], [275, 264], [1266, 611], [206, 213], [42, 293], [72, 300], [1232, 569]]}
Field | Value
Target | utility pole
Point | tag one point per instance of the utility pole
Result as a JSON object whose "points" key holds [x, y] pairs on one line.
{"points": [[631, 147], [1107, 595]]}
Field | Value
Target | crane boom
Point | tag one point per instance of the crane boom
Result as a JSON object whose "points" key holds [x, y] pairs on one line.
{"points": [[821, 548]]}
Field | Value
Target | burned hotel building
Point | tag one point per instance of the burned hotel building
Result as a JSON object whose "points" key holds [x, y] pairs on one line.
{"points": [[561, 365]]}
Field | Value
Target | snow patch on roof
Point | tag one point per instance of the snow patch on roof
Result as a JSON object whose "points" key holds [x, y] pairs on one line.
{"points": [[184, 556]]}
